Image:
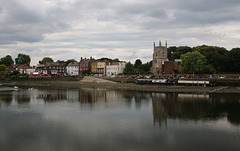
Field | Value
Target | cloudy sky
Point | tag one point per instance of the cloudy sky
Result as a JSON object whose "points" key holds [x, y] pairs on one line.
{"points": [[124, 29]]}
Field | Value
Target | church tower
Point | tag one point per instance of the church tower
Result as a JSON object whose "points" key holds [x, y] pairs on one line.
{"points": [[159, 56]]}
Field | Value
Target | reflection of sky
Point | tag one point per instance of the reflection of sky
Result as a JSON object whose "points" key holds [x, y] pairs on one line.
{"points": [[118, 124]]}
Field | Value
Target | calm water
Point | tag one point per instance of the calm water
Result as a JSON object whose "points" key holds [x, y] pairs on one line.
{"points": [[105, 120]]}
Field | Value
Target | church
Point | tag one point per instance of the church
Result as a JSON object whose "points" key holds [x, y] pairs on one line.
{"points": [[159, 57]]}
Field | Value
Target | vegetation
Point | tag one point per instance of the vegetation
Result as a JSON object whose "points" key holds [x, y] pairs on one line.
{"points": [[23, 59], [138, 67], [46, 60], [218, 59], [194, 62], [7, 60]]}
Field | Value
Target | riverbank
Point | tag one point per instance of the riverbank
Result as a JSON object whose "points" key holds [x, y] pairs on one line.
{"points": [[92, 82]]}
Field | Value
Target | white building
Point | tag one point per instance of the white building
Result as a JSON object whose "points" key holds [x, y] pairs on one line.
{"points": [[115, 68], [73, 69]]}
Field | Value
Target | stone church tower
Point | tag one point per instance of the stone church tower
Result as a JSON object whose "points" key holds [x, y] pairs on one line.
{"points": [[159, 56]]}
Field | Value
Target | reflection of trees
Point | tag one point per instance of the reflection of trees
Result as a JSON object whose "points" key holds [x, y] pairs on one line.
{"points": [[23, 99], [138, 97], [195, 107], [6, 98]]}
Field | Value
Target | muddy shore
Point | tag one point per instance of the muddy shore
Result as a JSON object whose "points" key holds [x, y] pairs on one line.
{"points": [[91, 82]]}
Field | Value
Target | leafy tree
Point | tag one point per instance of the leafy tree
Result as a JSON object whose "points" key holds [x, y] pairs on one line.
{"points": [[180, 50], [69, 61], [194, 62], [232, 61], [214, 56], [105, 59], [116, 60], [2, 68], [170, 51], [61, 61], [23, 59], [138, 62], [145, 68], [129, 69], [46, 60], [7, 60]]}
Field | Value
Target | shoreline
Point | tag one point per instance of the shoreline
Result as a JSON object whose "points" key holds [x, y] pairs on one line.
{"points": [[106, 84]]}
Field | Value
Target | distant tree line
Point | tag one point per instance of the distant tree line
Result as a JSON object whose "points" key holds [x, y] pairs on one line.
{"points": [[206, 59]]}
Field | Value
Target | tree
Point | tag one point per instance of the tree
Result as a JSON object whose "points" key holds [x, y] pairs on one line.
{"points": [[180, 50], [69, 61], [116, 60], [46, 60], [61, 61], [2, 68], [170, 51], [7, 60], [214, 56], [194, 62], [129, 69], [144, 68], [138, 62], [23, 59], [232, 61]]}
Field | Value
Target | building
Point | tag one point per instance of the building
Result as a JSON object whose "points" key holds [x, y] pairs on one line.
{"points": [[55, 68], [40, 68], [159, 56], [73, 69], [85, 65], [115, 68], [171, 67], [94, 67], [101, 67]]}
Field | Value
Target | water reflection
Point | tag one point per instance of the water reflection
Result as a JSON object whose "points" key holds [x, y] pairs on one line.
{"points": [[165, 106], [99, 119], [195, 107]]}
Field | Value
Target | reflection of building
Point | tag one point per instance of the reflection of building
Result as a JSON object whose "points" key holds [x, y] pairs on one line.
{"points": [[163, 105], [89, 95], [51, 96]]}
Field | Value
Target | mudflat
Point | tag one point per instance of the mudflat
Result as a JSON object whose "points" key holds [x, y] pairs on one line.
{"points": [[93, 82]]}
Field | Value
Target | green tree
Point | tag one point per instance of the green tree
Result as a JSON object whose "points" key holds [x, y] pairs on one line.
{"points": [[2, 68], [129, 69], [138, 62], [7, 60], [170, 51], [61, 61], [194, 62], [180, 50], [23, 59], [46, 60], [145, 68], [214, 56], [116, 60], [69, 61], [232, 61]]}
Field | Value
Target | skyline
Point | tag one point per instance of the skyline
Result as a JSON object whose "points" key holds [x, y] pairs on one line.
{"points": [[126, 29]]}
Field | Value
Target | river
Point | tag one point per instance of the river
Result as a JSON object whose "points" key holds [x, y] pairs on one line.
{"points": [[109, 120]]}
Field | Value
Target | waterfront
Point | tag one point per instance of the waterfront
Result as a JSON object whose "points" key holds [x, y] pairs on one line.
{"points": [[100, 119]]}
